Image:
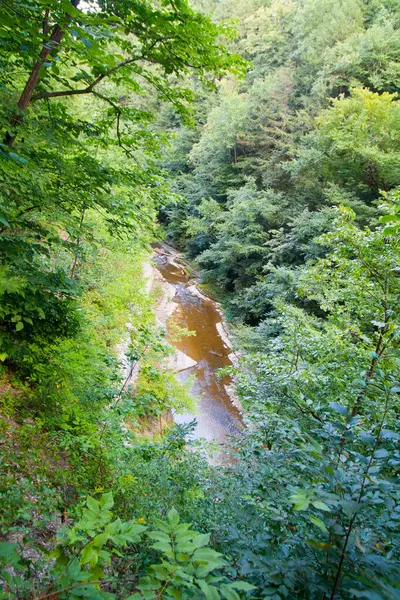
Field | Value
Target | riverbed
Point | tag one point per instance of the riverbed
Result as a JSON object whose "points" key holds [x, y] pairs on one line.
{"points": [[204, 353]]}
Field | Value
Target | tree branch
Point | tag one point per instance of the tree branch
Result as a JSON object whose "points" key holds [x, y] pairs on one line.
{"points": [[48, 47], [98, 79]]}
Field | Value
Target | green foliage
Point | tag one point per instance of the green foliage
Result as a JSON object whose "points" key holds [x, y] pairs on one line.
{"points": [[28, 503], [323, 449], [308, 504], [361, 138], [80, 86], [73, 145], [158, 391], [392, 205], [89, 561], [188, 566], [314, 124]]}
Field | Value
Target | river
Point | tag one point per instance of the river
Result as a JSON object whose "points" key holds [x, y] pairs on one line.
{"points": [[217, 416]]}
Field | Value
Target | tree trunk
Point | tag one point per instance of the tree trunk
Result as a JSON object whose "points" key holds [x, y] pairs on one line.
{"points": [[33, 79], [48, 48]]}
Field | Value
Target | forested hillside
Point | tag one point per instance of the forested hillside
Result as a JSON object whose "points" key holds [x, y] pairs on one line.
{"points": [[314, 124], [260, 138]]}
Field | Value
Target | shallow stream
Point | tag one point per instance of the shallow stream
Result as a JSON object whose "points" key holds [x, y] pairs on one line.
{"points": [[217, 416]]}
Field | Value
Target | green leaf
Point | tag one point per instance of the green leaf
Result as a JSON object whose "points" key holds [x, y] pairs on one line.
{"points": [[367, 437], [242, 586], [388, 434], [206, 555], [185, 547], [381, 453], [89, 555], [201, 540], [163, 526], [301, 500], [74, 569], [339, 408], [101, 539], [173, 517], [319, 523], [349, 507], [175, 593], [182, 557], [3, 356], [229, 593], [163, 546], [321, 505], [389, 218], [302, 504], [159, 571], [159, 536], [133, 533], [107, 501], [114, 527], [19, 326], [209, 591], [92, 504]]}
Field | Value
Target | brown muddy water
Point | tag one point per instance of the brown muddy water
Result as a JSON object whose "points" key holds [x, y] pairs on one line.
{"points": [[217, 417]]}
